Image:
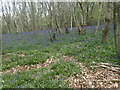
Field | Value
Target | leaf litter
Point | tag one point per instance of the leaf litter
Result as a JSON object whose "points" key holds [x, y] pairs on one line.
{"points": [[29, 67], [101, 77]]}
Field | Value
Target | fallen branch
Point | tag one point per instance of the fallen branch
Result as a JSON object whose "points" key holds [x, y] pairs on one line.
{"points": [[108, 64], [111, 67], [116, 80]]}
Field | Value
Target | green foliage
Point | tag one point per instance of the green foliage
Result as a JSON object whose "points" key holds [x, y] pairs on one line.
{"points": [[85, 49], [39, 78], [28, 58], [65, 68]]}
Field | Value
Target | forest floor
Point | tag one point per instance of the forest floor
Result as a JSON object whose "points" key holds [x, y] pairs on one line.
{"points": [[30, 60]]}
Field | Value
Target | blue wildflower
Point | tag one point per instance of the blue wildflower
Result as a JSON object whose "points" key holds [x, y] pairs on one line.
{"points": [[12, 81]]}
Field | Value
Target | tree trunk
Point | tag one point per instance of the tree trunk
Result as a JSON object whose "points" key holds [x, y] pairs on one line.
{"points": [[99, 18], [84, 18], [117, 28], [107, 22], [71, 24], [58, 26], [76, 20], [65, 24]]}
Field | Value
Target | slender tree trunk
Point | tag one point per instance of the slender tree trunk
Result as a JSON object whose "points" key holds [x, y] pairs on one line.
{"points": [[58, 26], [99, 17], [65, 24], [71, 24], [91, 12], [7, 17], [76, 20], [117, 27], [107, 23], [83, 17]]}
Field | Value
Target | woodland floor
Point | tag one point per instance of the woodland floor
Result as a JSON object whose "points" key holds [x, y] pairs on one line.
{"points": [[73, 61], [93, 77]]}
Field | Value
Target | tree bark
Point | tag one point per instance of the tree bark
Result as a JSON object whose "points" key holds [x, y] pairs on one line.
{"points": [[83, 17], [117, 28], [107, 23], [99, 18]]}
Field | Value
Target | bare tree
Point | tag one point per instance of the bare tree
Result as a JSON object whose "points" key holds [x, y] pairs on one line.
{"points": [[6, 15], [33, 18]]}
